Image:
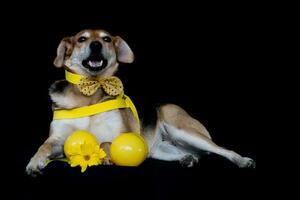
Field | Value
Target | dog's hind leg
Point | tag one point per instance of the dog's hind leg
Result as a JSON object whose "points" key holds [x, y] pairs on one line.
{"points": [[187, 132], [164, 149]]}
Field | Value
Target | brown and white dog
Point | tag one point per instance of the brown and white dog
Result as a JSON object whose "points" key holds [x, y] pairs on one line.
{"points": [[175, 137]]}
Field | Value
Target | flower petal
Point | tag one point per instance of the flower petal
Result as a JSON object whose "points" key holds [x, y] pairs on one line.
{"points": [[92, 163], [87, 148], [76, 160], [101, 153], [94, 160], [83, 167]]}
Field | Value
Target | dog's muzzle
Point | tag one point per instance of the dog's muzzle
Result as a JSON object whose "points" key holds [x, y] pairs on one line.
{"points": [[95, 62]]}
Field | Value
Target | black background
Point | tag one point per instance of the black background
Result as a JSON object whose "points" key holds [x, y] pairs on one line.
{"points": [[207, 59]]}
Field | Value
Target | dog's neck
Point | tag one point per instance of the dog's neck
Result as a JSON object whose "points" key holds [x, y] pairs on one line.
{"points": [[71, 97]]}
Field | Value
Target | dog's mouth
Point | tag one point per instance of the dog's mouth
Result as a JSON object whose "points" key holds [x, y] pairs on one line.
{"points": [[95, 63]]}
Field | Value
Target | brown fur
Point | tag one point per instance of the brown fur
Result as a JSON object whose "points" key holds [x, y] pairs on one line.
{"points": [[175, 115]]}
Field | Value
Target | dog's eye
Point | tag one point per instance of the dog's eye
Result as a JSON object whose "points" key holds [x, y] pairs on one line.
{"points": [[82, 39], [106, 39]]}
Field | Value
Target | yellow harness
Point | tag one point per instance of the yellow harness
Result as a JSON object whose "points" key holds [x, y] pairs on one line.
{"points": [[121, 101]]}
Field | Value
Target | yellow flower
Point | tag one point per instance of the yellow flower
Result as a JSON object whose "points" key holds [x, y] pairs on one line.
{"points": [[86, 155]]}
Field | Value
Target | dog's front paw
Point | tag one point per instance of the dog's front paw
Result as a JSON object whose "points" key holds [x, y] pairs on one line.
{"points": [[246, 162], [107, 161], [35, 166]]}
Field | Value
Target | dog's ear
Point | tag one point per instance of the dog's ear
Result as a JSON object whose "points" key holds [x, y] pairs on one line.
{"points": [[64, 49], [124, 53]]}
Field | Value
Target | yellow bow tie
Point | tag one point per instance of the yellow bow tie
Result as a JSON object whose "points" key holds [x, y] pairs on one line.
{"points": [[88, 86]]}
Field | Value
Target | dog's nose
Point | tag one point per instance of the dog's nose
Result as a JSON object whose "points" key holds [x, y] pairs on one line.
{"points": [[95, 46]]}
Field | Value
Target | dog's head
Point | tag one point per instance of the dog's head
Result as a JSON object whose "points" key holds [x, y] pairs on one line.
{"points": [[93, 53]]}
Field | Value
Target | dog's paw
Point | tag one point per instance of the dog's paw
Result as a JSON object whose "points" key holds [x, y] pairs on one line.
{"points": [[246, 162], [36, 165], [107, 161], [188, 161]]}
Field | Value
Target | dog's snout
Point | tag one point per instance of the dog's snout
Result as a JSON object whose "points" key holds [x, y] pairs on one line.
{"points": [[95, 46]]}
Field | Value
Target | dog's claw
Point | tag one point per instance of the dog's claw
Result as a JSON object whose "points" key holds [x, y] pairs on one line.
{"points": [[251, 164], [247, 163], [107, 161], [33, 173], [35, 166]]}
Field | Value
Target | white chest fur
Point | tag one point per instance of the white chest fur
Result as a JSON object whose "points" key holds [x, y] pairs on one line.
{"points": [[105, 126]]}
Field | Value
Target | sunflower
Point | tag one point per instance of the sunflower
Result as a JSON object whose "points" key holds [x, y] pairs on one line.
{"points": [[86, 155]]}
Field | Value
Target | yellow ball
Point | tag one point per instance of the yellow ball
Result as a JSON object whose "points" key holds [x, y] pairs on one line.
{"points": [[128, 149], [76, 139]]}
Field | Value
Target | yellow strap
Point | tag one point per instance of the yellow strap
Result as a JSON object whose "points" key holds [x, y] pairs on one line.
{"points": [[119, 102], [73, 78]]}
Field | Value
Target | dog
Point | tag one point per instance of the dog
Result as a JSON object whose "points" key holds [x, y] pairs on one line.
{"points": [[176, 136]]}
